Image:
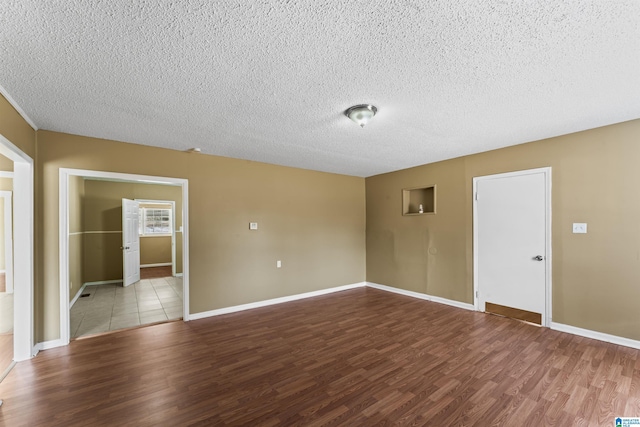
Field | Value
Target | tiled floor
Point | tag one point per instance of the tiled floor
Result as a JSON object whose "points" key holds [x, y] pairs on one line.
{"points": [[112, 307]]}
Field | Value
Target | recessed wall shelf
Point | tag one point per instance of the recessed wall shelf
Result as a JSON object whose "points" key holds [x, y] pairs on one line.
{"points": [[412, 198]]}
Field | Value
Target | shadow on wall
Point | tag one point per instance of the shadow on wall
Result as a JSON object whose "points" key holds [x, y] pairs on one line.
{"points": [[102, 254], [112, 254], [112, 217]]}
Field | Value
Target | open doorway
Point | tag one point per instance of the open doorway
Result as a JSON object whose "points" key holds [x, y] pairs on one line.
{"points": [[22, 254], [115, 300], [157, 234], [148, 239], [92, 250], [6, 269]]}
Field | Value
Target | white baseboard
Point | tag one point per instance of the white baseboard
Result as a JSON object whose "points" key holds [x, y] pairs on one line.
{"points": [[227, 310], [160, 264], [75, 298], [46, 345], [102, 282], [614, 339], [419, 295], [600, 336], [178, 275]]}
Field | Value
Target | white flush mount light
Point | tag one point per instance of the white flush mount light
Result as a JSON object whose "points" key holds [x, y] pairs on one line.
{"points": [[361, 114], [194, 150]]}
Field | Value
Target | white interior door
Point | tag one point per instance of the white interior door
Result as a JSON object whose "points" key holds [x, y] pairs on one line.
{"points": [[511, 233], [130, 242]]}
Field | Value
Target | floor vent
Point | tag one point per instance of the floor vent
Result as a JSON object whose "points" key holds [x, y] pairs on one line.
{"points": [[85, 295]]}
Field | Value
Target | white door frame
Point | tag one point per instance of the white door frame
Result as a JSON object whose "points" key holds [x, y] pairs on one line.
{"points": [[23, 250], [8, 240], [546, 315], [64, 234], [173, 227]]}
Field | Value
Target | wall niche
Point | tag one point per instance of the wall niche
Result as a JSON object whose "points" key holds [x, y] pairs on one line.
{"points": [[419, 200]]}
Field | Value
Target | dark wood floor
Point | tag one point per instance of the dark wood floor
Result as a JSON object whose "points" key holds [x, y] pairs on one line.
{"points": [[155, 272], [358, 358]]}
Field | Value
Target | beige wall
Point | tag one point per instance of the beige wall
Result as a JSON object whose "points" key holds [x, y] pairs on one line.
{"points": [[6, 184], [594, 180], [179, 251], [314, 222], [76, 237], [155, 250], [6, 164], [398, 247], [103, 224], [16, 129]]}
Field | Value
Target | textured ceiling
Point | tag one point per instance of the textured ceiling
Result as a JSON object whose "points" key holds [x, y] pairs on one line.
{"points": [[269, 80]]}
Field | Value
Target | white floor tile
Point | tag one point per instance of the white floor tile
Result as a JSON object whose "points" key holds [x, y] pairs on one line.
{"points": [[112, 307]]}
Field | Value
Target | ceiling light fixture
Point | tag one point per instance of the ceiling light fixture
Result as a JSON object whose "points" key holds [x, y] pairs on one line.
{"points": [[194, 150], [361, 114]]}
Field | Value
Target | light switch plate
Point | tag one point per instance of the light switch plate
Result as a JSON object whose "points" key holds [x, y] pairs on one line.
{"points": [[253, 226], [579, 228]]}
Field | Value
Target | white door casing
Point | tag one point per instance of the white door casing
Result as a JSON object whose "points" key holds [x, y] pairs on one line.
{"points": [[63, 198], [512, 233], [130, 242], [8, 239], [23, 250]]}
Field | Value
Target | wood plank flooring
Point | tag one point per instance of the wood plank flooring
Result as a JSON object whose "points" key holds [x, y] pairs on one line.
{"points": [[155, 272], [357, 358]]}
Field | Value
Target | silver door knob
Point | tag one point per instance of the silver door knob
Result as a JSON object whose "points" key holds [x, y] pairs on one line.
{"points": [[538, 258]]}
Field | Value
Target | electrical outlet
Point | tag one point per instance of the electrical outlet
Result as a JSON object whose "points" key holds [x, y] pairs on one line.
{"points": [[253, 226], [579, 228], [278, 264], [70, 284]]}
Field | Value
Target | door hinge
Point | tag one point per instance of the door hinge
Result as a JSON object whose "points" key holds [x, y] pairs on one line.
{"points": [[476, 294], [476, 196]]}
